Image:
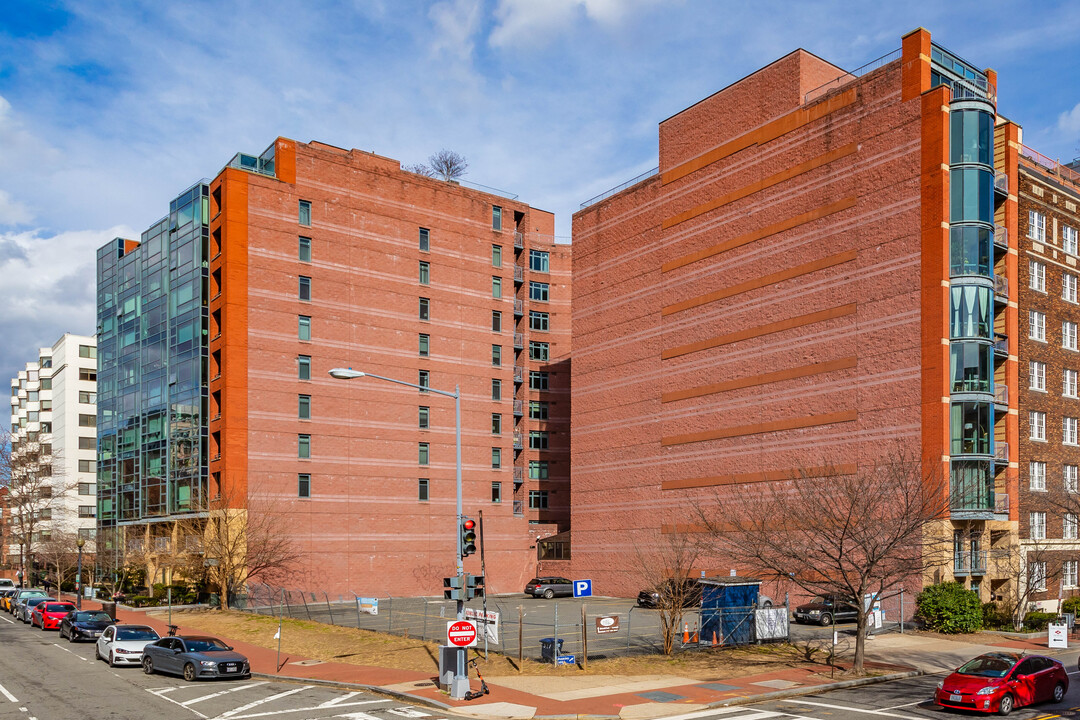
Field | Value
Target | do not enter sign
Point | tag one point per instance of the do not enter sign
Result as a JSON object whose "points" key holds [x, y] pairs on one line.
{"points": [[461, 633]]}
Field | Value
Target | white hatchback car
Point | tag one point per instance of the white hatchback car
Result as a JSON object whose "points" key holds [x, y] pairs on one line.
{"points": [[123, 644]]}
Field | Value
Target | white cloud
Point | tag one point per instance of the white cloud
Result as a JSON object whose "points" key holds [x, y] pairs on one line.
{"points": [[529, 22], [13, 212], [456, 22], [1069, 121]]}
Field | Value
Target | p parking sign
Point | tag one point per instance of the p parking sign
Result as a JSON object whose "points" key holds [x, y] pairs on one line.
{"points": [[583, 588]]}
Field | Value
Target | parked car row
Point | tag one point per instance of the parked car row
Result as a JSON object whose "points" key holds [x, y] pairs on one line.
{"points": [[192, 657]]}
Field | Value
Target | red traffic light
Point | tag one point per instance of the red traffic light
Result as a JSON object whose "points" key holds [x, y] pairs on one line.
{"points": [[468, 524]]}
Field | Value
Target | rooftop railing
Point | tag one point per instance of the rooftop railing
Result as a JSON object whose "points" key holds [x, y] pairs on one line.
{"points": [[619, 188], [849, 76], [1053, 166]]}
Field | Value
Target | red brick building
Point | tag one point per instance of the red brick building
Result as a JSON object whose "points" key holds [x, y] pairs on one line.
{"points": [[815, 273]]}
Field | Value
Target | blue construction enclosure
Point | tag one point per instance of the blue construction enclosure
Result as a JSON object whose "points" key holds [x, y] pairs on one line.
{"points": [[727, 610]]}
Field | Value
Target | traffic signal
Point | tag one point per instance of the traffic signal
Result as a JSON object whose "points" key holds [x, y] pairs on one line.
{"points": [[474, 586], [468, 536], [452, 589]]}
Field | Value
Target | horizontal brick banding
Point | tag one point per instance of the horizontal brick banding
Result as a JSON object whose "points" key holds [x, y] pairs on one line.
{"points": [[758, 428], [756, 283], [759, 234], [760, 185], [764, 379], [766, 476], [769, 329], [763, 134]]}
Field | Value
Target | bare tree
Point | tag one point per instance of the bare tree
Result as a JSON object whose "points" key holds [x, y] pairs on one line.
{"points": [[419, 169], [60, 553], [665, 565], [838, 531], [35, 492], [445, 164], [1030, 571], [240, 541]]}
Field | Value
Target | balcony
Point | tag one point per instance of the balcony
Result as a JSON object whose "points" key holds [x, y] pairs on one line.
{"points": [[519, 308], [1001, 182], [1001, 505], [1001, 395], [969, 563], [519, 341], [162, 544], [518, 441], [519, 274], [519, 374], [1001, 449], [1001, 237], [519, 475], [519, 408], [519, 508], [519, 240], [1001, 288], [1001, 344]]}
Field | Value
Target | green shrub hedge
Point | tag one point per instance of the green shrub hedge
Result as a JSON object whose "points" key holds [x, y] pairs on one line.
{"points": [[950, 608]]}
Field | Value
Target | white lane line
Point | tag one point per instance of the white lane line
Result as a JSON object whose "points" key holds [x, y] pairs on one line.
{"points": [[6, 694], [1074, 672], [69, 651], [6, 620], [342, 698], [224, 692], [715, 711], [161, 694], [236, 711], [309, 709], [406, 712], [917, 702], [852, 709]]}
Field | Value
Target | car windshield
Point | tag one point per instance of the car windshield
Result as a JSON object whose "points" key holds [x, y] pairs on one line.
{"points": [[31, 602], [819, 600], [206, 645], [92, 617], [59, 607], [135, 633], [993, 666]]}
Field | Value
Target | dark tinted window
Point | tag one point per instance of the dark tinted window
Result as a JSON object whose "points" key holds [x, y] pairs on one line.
{"points": [[59, 607], [136, 634], [205, 645]]}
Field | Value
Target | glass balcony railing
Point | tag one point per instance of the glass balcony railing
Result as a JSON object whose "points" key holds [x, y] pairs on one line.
{"points": [[969, 562], [1001, 182], [1001, 236]]}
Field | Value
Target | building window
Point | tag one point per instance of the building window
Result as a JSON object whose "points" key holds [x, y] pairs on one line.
{"points": [[538, 469], [303, 485], [1068, 287], [305, 288], [87, 511], [1068, 573], [305, 213], [496, 321], [1037, 425], [422, 490], [425, 273], [1036, 226], [538, 291], [1068, 335], [1068, 383], [86, 488], [84, 374], [538, 439], [496, 492], [496, 458], [1036, 326], [425, 345], [423, 379], [86, 421], [538, 261], [538, 380], [86, 466], [305, 327], [422, 454], [425, 309], [538, 410], [538, 499], [1037, 475], [496, 423], [303, 446], [303, 367], [538, 350], [1070, 474], [86, 351], [496, 389], [1037, 575], [1036, 375], [496, 287], [1036, 276], [496, 256], [86, 398], [1068, 239], [1068, 529], [496, 355], [86, 443], [304, 252], [424, 417], [425, 240], [538, 320], [304, 411], [46, 383], [1068, 431], [1037, 525], [496, 217]]}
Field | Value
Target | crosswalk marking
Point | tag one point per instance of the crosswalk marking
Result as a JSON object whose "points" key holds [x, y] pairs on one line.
{"points": [[256, 703], [302, 709], [340, 699], [224, 692], [851, 709]]}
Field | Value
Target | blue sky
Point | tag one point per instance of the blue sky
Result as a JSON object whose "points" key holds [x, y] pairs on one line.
{"points": [[108, 109]]}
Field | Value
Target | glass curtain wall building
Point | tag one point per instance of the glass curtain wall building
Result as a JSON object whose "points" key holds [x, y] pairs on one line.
{"points": [[152, 380]]}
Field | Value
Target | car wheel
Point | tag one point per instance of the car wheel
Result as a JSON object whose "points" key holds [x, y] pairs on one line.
{"points": [[1006, 705], [112, 660], [148, 666], [548, 594], [189, 672], [1059, 692], [826, 619], [71, 637]]}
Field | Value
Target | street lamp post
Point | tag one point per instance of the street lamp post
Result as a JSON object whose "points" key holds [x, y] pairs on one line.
{"points": [[78, 575], [460, 685]]}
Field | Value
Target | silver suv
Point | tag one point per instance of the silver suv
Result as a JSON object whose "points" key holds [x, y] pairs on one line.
{"points": [[549, 587]]}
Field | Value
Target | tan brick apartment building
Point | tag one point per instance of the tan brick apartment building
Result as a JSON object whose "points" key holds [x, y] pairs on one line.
{"points": [[817, 272], [310, 257], [1049, 220]]}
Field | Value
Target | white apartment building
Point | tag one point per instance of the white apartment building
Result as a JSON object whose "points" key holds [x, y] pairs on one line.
{"points": [[54, 445]]}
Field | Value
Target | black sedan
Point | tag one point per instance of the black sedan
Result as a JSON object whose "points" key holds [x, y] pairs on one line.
{"points": [[84, 624], [194, 657]]}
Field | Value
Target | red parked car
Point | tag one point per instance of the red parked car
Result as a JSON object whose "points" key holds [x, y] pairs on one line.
{"points": [[47, 615], [1001, 681]]}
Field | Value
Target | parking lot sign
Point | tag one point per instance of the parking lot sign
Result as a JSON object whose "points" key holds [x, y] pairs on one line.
{"points": [[583, 588]]}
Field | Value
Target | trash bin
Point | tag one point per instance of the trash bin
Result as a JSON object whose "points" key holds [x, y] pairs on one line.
{"points": [[109, 607], [548, 651]]}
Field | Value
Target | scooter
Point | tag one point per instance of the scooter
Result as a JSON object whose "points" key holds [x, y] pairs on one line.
{"points": [[474, 694]]}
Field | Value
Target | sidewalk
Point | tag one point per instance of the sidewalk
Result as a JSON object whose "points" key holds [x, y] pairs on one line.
{"points": [[629, 698]]}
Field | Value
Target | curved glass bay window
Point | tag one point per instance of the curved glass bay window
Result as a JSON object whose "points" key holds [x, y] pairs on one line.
{"points": [[972, 427], [971, 312], [972, 194], [971, 135], [972, 485], [972, 367], [972, 250]]}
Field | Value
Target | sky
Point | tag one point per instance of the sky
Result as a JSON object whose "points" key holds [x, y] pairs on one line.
{"points": [[110, 108]]}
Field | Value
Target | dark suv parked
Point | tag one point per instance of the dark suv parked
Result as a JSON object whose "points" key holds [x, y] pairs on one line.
{"points": [[689, 593], [823, 609], [549, 587]]}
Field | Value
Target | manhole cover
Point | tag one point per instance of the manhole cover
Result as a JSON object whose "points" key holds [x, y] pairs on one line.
{"points": [[307, 662]]}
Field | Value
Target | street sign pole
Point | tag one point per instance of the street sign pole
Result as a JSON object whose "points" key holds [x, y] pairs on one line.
{"points": [[460, 686]]}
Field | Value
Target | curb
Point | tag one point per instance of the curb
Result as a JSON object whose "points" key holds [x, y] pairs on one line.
{"points": [[396, 694], [815, 689]]}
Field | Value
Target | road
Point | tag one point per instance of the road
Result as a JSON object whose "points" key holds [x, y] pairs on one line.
{"points": [[43, 677]]}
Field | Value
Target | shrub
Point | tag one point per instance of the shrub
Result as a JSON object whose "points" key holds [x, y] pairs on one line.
{"points": [[158, 590], [1038, 620], [949, 608], [1071, 605], [996, 618], [141, 601]]}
